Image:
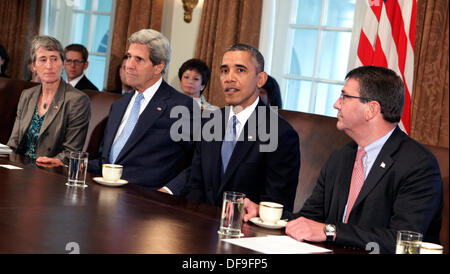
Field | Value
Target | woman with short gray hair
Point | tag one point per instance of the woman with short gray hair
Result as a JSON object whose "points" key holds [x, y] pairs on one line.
{"points": [[48, 43], [51, 117]]}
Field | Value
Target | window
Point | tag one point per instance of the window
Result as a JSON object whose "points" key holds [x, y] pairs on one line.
{"points": [[311, 52], [86, 22]]}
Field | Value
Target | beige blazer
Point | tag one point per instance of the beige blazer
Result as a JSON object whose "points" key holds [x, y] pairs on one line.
{"points": [[65, 124]]}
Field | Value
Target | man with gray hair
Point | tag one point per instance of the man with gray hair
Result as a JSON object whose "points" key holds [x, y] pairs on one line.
{"points": [[137, 134]]}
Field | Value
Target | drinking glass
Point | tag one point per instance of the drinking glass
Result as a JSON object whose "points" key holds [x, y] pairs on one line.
{"points": [[78, 161], [408, 242], [232, 214]]}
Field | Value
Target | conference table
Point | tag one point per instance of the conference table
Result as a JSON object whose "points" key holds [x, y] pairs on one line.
{"points": [[39, 213]]}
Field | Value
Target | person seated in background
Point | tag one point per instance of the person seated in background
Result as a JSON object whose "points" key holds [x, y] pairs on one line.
{"points": [[121, 79], [380, 183], [138, 132], [53, 116], [123, 74], [240, 159], [270, 93], [75, 64], [4, 60], [194, 76]]}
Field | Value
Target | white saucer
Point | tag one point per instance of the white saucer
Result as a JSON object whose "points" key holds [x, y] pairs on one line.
{"points": [[102, 181], [257, 221]]}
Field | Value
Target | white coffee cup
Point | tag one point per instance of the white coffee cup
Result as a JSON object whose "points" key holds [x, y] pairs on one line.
{"points": [[430, 248], [270, 212], [112, 172]]}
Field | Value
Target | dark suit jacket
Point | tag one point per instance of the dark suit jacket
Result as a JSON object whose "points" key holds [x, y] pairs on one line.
{"points": [[84, 83], [404, 193], [262, 176], [65, 124], [150, 157]]}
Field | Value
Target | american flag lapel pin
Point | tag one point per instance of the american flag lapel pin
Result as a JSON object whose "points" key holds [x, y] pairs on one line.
{"points": [[383, 165]]}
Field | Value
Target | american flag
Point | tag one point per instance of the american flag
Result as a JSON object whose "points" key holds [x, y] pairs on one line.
{"points": [[387, 40]]}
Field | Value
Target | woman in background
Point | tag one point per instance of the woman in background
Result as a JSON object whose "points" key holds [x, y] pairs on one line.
{"points": [[270, 93], [194, 75], [53, 116]]}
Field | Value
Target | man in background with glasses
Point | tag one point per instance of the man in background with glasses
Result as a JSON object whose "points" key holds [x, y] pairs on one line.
{"points": [[75, 64]]}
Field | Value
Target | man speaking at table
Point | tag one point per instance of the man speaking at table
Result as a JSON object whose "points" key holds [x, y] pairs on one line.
{"points": [[380, 183], [137, 134], [242, 159]]}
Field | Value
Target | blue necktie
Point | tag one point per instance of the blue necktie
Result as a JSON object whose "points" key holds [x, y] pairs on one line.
{"points": [[228, 143], [127, 130]]}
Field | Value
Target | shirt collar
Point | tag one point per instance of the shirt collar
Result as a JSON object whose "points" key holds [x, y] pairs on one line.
{"points": [[373, 149], [243, 116], [150, 91], [75, 81]]}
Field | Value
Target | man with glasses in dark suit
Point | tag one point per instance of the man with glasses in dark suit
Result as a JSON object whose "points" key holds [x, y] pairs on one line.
{"points": [[75, 64], [380, 183]]}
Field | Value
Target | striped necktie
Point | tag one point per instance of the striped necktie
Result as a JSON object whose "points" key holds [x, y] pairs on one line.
{"points": [[357, 181]]}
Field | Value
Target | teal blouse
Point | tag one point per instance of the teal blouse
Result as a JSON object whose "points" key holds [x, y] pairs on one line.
{"points": [[33, 132]]}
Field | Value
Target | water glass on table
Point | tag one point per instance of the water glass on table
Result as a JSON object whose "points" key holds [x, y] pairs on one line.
{"points": [[232, 214], [78, 161], [408, 242]]}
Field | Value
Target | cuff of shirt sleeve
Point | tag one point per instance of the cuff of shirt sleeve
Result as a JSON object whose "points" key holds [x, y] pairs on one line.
{"points": [[168, 190]]}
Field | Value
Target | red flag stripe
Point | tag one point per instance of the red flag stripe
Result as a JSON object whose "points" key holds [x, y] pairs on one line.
{"points": [[365, 50], [394, 15], [380, 58], [376, 9], [393, 46]]}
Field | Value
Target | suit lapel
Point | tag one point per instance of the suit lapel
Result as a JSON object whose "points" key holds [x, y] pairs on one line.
{"points": [[28, 115], [155, 108], [80, 83], [381, 165], [216, 155], [55, 107]]}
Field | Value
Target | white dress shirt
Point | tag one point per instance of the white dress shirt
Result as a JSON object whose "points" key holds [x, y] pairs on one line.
{"points": [[148, 95], [242, 116], [75, 81]]}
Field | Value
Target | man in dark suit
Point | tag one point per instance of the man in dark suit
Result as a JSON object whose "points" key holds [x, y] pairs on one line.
{"points": [[380, 183], [265, 168], [138, 131], [75, 64], [121, 70]]}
